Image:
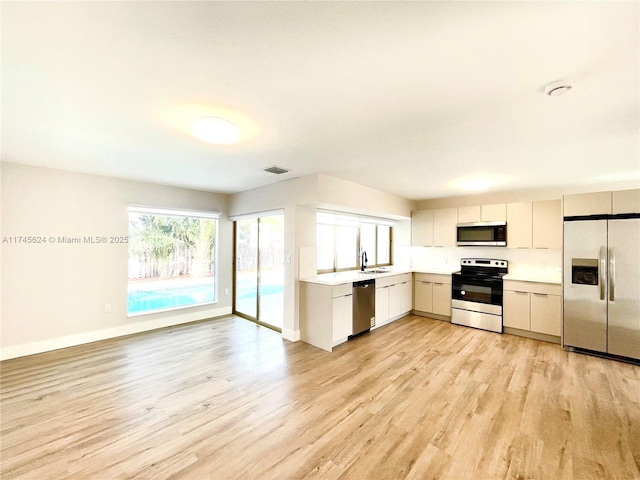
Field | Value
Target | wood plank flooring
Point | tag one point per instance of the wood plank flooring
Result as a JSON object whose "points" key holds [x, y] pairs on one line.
{"points": [[225, 399]]}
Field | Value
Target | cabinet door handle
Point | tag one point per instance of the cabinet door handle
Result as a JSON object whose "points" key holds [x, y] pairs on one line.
{"points": [[438, 283], [521, 293], [540, 294]]}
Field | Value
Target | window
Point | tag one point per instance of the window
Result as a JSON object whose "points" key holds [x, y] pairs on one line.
{"points": [[340, 239], [172, 259]]}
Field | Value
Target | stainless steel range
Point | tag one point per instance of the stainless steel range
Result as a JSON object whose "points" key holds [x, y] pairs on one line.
{"points": [[476, 295]]}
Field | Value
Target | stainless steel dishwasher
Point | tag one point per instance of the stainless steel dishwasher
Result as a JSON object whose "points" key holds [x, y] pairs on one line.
{"points": [[364, 306]]}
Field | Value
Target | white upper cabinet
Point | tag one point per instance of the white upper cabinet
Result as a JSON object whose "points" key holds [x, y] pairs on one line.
{"points": [[547, 224], [469, 214], [484, 213], [519, 225], [444, 227], [587, 204], [602, 203], [626, 201], [422, 228], [494, 213]]}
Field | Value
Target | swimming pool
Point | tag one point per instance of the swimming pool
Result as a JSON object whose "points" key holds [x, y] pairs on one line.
{"points": [[151, 297], [148, 298]]}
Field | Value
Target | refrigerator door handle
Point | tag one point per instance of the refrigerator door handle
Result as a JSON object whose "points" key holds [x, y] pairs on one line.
{"points": [[603, 253], [612, 275]]}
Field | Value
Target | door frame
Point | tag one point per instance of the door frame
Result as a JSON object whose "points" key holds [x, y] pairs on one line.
{"points": [[234, 311]]}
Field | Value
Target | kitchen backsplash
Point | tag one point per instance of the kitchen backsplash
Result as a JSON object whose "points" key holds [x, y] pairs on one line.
{"points": [[445, 258]]}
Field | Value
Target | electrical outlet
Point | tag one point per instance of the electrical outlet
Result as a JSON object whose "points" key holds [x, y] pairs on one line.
{"points": [[107, 308], [226, 291]]}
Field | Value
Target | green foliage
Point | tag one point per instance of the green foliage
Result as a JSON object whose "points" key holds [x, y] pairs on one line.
{"points": [[159, 240]]}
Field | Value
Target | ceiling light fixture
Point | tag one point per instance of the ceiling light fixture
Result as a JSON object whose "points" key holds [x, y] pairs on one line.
{"points": [[477, 184], [555, 89], [216, 130]]}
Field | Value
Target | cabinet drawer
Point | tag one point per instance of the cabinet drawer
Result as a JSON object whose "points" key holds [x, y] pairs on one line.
{"points": [[342, 290], [392, 280], [533, 287], [433, 278]]}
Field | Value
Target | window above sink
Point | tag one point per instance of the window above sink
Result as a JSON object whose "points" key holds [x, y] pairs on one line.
{"points": [[341, 237]]}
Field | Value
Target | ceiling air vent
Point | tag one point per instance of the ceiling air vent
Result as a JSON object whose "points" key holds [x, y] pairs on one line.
{"points": [[276, 170]]}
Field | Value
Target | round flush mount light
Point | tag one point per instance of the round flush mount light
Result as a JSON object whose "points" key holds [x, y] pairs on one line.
{"points": [[216, 130], [555, 89]]}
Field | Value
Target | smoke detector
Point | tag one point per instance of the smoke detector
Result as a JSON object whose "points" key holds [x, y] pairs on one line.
{"points": [[555, 89]]}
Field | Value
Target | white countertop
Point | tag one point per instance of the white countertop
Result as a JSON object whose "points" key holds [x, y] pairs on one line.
{"points": [[355, 275], [338, 278], [438, 270]]}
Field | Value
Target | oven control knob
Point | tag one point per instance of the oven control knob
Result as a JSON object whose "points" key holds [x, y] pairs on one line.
{"points": [[462, 292]]}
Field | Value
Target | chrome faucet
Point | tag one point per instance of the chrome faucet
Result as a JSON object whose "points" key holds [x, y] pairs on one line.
{"points": [[363, 260]]}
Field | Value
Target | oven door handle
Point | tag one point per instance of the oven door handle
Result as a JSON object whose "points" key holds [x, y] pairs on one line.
{"points": [[481, 280]]}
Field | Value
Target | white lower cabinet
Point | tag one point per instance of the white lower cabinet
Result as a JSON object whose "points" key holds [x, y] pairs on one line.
{"points": [[393, 298], [400, 299], [382, 305], [326, 313], [442, 298], [546, 314], [432, 293], [516, 309], [423, 295], [533, 306], [342, 317]]}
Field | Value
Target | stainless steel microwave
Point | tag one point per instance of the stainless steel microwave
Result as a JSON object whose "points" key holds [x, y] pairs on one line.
{"points": [[491, 234]]}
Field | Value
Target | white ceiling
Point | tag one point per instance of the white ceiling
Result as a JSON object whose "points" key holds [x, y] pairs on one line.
{"points": [[405, 97]]}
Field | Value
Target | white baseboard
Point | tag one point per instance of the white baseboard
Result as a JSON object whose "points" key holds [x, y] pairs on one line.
{"points": [[176, 318], [292, 335]]}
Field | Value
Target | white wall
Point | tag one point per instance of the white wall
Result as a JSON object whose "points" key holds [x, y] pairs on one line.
{"points": [[352, 197], [322, 191], [53, 295], [300, 197]]}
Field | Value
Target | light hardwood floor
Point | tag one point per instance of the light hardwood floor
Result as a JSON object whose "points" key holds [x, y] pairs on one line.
{"points": [[226, 399]]}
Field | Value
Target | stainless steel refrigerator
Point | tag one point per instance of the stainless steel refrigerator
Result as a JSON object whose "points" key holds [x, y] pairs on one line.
{"points": [[602, 285]]}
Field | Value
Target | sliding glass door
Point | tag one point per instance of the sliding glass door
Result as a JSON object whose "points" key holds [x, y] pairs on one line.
{"points": [[259, 270]]}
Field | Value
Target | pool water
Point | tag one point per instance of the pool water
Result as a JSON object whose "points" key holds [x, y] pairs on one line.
{"points": [[147, 299]]}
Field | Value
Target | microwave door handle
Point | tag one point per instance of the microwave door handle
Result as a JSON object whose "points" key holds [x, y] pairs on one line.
{"points": [[612, 274], [601, 271]]}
